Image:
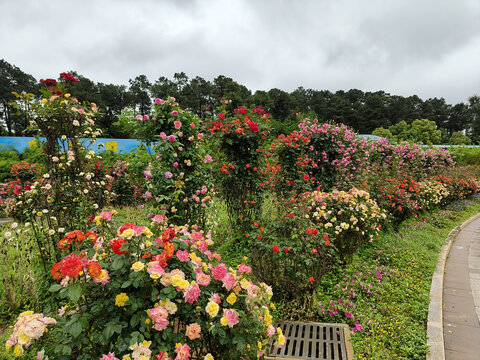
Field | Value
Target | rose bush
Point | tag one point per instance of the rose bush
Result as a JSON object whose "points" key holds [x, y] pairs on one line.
{"points": [[240, 162], [177, 180], [158, 291]]}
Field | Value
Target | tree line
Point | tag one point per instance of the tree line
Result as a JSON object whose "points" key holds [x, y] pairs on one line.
{"points": [[365, 112]]}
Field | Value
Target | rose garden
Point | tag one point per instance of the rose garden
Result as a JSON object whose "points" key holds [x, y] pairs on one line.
{"points": [[198, 243]]}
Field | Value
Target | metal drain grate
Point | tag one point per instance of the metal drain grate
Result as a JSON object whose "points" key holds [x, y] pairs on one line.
{"points": [[314, 341]]}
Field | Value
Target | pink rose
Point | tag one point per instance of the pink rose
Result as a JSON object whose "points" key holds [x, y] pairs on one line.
{"points": [[193, 331], [183, 255], [231, 316], [219, 271], [203, 279], [192, 293], [228, 281], [177, 124]]}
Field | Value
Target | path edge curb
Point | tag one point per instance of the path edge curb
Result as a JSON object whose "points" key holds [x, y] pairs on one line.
{"points": [[435, 341]]}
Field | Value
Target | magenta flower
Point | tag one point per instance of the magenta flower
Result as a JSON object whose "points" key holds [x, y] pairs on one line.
{"points": [[145, 117], [348, 315], [174, 113], [168, 175], [175, 164], [172, 138], [158, 101], [147, 174]]}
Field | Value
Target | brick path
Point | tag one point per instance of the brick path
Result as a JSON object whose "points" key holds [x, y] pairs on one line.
{"points": [[461, 296]]}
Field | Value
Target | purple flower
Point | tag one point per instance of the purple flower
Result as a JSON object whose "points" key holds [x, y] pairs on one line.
{"points": [[172, 138], [168, 175], [174, 113]]}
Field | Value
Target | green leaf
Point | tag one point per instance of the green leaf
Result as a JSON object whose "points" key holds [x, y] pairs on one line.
{"points": [[76, 329], [117, 263], [67, 350], [126, 284], [55, 287], [74, 291]]}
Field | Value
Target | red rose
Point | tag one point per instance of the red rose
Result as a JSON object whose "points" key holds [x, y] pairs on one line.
{"points": [[94, 269], [68, 77], [326, 239], [287, 250], [71, 265], [116, 245], [311, 279], [275, 249], [253, 127], [314, 251], [55, 272]]}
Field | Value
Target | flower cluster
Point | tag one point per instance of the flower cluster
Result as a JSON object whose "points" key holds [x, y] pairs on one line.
{"points": [[169, 284], [29, 326], [177, 180], [239, 166], [25, 171]]}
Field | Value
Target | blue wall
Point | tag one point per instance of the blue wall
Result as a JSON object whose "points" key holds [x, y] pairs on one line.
{"points": [[116, 145]]}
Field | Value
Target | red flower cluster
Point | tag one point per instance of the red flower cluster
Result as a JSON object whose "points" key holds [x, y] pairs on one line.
{"points": [[312, 231], [68, 77], [253, 127], [72, 236], [49, 83], [72, 265], [116, 245]]}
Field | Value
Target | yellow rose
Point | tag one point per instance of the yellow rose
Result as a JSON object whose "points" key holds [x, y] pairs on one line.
{"points": [[183, 284], [212, 309], [138, 266], [44, 101], [232, 298], [148, 243], [147, 232], [128, 233], [18, 350], [209, 357], [176, 279], [223, 321], [194, 257], [22, 338], [126, 357], [121, 299]]}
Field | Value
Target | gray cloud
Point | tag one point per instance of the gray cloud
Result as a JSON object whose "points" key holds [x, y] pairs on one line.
{"points": [[428, 48]]}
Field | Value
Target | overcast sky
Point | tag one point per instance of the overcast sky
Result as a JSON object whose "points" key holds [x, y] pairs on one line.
{"points": [[430, 48]]}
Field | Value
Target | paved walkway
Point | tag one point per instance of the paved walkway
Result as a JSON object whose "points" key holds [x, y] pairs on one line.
{"points": [[461, 296]]}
